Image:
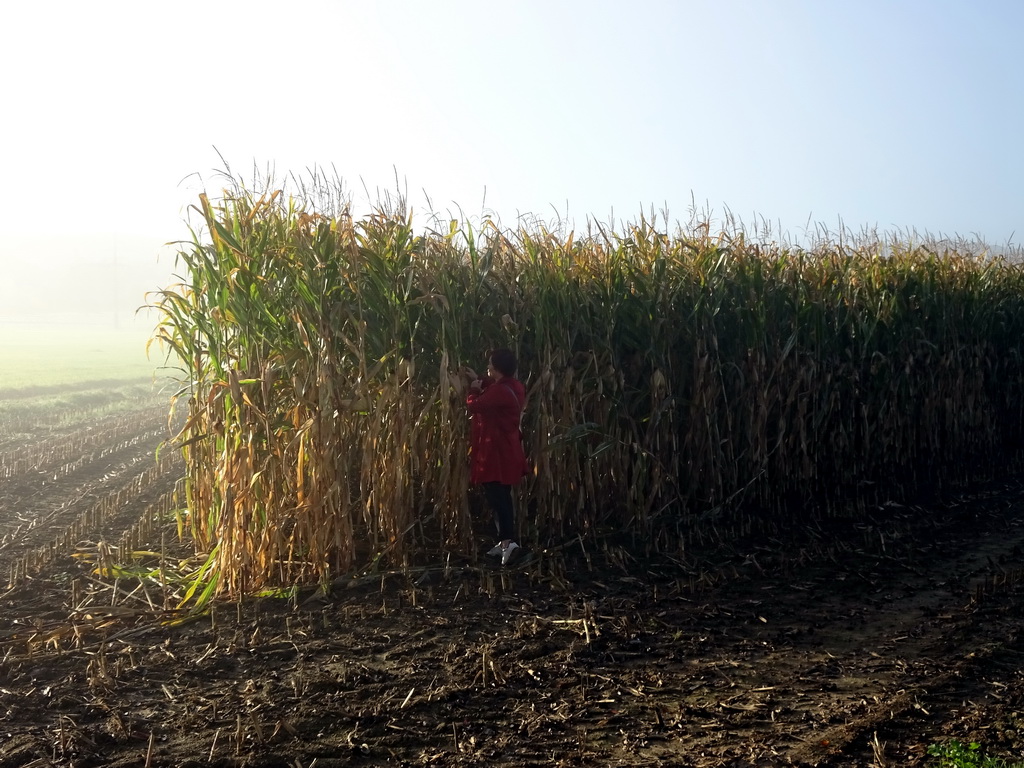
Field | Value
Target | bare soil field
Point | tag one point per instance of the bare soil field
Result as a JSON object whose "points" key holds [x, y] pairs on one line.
{"points": [[849, 644]]}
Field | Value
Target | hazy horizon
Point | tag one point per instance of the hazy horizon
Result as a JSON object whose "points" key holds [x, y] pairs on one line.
{"points": [[94, 279], [796, 114]]}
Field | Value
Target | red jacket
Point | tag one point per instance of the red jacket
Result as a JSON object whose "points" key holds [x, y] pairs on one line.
{"points": [[496, 442]]}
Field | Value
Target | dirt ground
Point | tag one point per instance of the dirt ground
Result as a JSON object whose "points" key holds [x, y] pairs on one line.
{"points": [[852, 644]]}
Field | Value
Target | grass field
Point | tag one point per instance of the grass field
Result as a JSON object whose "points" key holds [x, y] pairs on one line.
{"points": [[54, 355]]}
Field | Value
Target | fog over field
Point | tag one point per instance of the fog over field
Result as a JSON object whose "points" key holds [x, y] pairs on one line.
{"points": [[90, 279], [70, 308]]}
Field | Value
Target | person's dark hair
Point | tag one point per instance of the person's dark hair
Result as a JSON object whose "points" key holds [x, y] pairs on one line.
{"points": [[504, 361]]}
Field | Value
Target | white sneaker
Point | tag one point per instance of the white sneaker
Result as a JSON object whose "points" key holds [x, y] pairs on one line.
{"points": [[494, 551], [509, 553]]}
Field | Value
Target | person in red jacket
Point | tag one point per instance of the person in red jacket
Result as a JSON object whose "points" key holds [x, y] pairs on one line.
{"points": [[497, 460]]}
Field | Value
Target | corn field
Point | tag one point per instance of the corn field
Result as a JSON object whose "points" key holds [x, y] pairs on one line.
{"points": [[681, 385]]}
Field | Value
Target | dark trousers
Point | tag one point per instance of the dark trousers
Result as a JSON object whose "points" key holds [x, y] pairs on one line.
{"points": [[499, 499]]}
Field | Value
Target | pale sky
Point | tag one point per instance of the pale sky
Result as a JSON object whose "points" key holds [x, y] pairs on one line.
{"points": [[880, 114]]}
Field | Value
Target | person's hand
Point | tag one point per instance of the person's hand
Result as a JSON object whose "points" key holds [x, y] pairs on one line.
{"points": [[468, 373], [476, 385]]}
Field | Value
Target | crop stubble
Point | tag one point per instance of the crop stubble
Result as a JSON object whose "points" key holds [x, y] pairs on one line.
{"points": [[852, 645]]}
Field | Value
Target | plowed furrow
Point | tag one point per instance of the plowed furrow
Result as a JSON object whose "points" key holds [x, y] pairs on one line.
{"points": [[46, 512]]}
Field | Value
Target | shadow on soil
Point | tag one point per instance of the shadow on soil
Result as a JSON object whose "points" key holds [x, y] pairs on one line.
{"points": [[851, 645]]}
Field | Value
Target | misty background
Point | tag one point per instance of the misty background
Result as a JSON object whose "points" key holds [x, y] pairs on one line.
{"points": [[88, 280], [883, 115]]}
